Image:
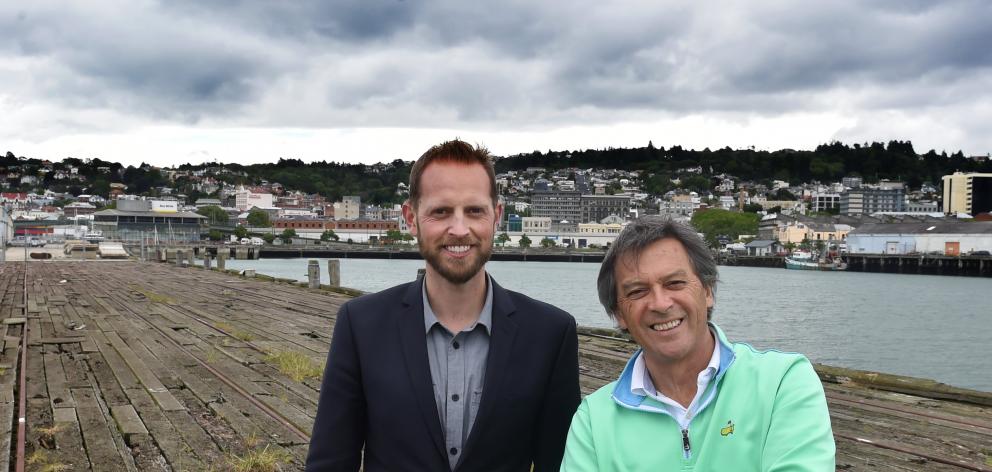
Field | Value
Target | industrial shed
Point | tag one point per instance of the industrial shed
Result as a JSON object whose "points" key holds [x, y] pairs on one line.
{"points": [[949, 238]]}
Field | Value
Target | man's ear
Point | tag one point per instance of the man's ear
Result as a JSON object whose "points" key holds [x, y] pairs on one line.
{"points": [[410, 216]]}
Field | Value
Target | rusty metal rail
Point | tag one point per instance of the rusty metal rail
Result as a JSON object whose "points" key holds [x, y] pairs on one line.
{"points": [[22, 411]]}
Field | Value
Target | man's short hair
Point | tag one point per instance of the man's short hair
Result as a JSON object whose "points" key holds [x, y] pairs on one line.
{"points": [[453, 151], [640, 234]]}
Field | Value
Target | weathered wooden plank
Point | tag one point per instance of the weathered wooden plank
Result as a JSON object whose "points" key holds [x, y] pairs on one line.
{"points": [[58, 391], [100, 445], [148, 379], [127, 420]]}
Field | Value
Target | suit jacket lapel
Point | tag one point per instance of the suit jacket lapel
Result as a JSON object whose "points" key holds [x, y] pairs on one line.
{"points": [[414, 345], [504, 332]]}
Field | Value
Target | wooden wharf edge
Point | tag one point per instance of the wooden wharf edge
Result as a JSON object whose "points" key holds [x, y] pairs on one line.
{"points": [[107, 337]]}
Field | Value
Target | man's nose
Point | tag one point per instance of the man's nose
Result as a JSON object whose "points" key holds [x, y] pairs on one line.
{"points": [[661, 300], [459, 225]]}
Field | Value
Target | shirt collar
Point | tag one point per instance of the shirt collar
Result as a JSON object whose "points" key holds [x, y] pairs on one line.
{"points": [[485, 316], [640, 381]]}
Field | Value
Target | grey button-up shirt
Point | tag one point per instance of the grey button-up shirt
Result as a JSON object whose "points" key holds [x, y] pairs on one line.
{"points": [[458, 369]]}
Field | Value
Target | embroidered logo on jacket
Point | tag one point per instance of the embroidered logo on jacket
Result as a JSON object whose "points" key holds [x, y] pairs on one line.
{"points": [[727, 430]]}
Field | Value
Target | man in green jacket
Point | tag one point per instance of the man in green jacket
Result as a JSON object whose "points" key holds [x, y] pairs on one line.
{"points": [[689, 399]]}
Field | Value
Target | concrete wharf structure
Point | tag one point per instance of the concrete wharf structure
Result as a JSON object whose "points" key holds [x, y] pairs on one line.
{"points": [[150, 366]]}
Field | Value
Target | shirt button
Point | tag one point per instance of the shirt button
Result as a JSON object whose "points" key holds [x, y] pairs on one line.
{"points": [[454, 451], [454, 397], [455, 345]]}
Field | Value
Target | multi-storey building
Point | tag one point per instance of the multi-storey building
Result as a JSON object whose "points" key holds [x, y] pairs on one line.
{"points": [[869, 200], [559, 206], [968, 193], [822, 202], [596, 207], [349, 208]]}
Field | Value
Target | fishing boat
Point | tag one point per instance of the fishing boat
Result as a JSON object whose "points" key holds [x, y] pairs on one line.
{"points": [[802, 260]]}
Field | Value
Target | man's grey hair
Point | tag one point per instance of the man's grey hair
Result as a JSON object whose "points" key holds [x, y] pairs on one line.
{"points": [[640, 234]]}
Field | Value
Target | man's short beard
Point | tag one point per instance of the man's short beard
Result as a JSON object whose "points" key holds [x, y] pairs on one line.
{"points": [[434, 259]]}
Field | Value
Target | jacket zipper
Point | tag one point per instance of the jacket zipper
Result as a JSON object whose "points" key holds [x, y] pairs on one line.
{"points": [[686, 447]]}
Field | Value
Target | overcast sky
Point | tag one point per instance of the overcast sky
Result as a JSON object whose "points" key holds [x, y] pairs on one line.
{"points": [[376, 80]]}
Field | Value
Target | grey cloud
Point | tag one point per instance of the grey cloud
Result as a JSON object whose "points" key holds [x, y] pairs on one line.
{"points": [[510, 64]]}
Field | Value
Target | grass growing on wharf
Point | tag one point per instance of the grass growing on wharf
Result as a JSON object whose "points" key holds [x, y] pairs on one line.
{"points": [[135, 366]]}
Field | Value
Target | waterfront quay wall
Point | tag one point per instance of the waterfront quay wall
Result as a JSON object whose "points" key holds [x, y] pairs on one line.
{"points": [[752, 261], [499, 254], [926, 264]]}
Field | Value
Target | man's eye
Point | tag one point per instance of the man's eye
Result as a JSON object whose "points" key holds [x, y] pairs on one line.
{"points": [[439, 211], [676, 283], [636, 293]]}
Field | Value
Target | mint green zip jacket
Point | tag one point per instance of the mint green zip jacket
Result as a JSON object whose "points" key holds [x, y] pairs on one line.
{"points": [[764, 411]]}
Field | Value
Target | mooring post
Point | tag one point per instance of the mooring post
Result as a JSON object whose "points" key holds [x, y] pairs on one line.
{"points": [[179, 257], [334, 272], [206, 260], [313, 273], [221, 259], [192, 258]]}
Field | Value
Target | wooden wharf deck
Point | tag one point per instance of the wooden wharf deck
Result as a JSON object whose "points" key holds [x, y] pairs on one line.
{"points": [[146, 366]]}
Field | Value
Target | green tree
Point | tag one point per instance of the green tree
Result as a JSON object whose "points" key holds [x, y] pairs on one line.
{"points": [[752, 208], [548, 242], [268, 238], [287, 235], [258, 219], [407, 237], [215, 235], [215, 214], [241, 232], [329, 235], [502, 239], [393, 236], [524, 241], [733, 224]]}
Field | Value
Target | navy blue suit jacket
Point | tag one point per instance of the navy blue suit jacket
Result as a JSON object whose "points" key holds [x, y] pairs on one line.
{"points": [[377, 393]]}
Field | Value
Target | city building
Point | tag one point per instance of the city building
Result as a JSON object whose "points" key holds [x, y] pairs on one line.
{"points": [[887, 197], [133, 220], [349, 208], [950, 238], [559, 206], [824, 202], [597, 207], [967, 193], [245, 198], [535, 224]]}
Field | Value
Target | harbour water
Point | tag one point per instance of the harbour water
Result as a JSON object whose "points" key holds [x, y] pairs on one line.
{"points": [[934, 327]]}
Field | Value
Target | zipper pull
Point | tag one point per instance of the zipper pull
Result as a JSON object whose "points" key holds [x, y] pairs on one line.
{"points": [[686, 448]]}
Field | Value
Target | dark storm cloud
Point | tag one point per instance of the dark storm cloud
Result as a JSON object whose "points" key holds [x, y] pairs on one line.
{"points": [[486, 62]]}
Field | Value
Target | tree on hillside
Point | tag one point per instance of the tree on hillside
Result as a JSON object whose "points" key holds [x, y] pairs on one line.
{"points": [[258, 218], [329, 235], [731, 223], [287, 235], [241, 232], [214, 214]]}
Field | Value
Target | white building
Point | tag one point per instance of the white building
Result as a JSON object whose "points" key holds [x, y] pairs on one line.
{"points": [[349, 208], [245, 199], [941, 237]]}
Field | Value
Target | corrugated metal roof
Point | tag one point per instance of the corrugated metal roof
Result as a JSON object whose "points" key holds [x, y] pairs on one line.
{"points": [[926, 227], [180, 214]]}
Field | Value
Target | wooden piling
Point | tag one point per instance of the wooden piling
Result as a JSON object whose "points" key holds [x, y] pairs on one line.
{"points": [[334, 272], [313, 273]]}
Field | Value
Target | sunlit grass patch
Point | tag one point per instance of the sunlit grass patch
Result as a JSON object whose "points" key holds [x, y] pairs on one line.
{"points": [[152, 296], [256, 459], [295, 365]]}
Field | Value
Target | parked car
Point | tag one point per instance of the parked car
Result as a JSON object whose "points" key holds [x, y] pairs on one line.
{"points": [[981, 253]]}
